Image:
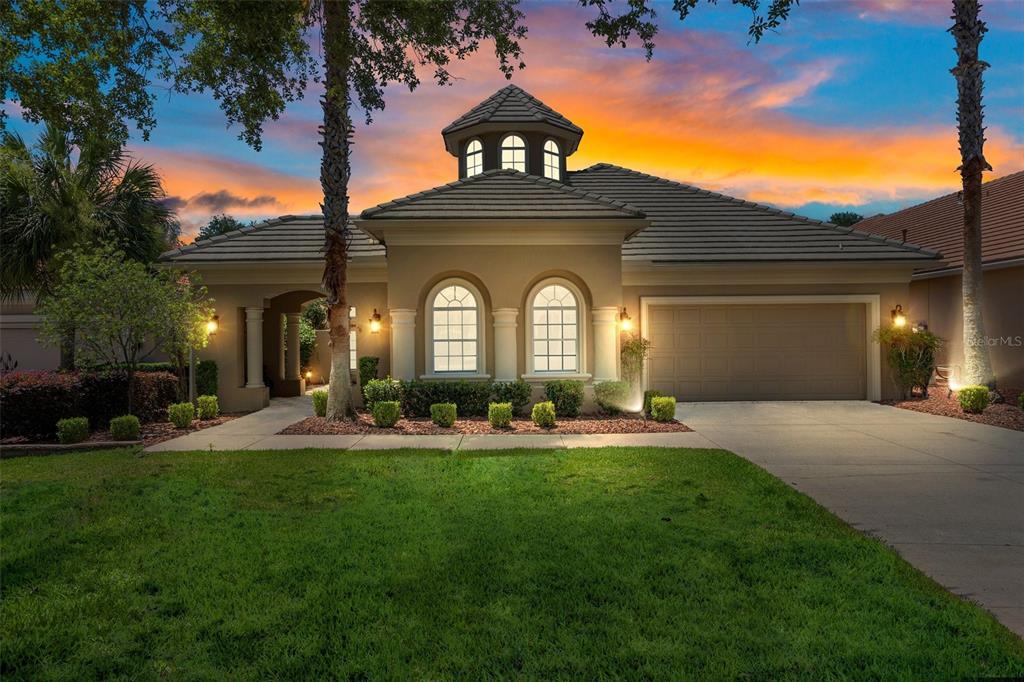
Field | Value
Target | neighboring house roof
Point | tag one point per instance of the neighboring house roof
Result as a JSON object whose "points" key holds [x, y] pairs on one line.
{"points": [[503, 195], [689, 224], [939, 223], [511, 105], [285, 239]]}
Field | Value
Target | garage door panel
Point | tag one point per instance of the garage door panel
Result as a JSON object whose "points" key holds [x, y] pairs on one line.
{"points": [[758, 352]]}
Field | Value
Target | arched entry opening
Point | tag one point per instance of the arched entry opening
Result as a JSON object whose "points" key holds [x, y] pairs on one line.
{"points": [[289, 342]]}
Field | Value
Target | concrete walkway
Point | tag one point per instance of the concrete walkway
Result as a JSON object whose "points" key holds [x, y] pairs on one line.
{"points": [[257, 431], [947, 494]]}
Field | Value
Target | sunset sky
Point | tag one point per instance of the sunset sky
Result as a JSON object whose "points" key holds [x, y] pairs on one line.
{"points": [[850, 106]]}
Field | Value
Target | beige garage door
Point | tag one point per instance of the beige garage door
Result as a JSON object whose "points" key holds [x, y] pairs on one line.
{"points": [[758, 352]]}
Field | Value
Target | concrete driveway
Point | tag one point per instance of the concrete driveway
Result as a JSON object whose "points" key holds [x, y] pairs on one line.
{"points": [[947, 494]]}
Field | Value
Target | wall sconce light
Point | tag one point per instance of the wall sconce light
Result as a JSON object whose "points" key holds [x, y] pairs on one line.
{"points": [[899, 320], [309, 375], [212, 325], [625, 323], [375, 322]]}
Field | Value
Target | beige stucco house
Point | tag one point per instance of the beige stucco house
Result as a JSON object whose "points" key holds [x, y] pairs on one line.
{"points": [[521, 268]]}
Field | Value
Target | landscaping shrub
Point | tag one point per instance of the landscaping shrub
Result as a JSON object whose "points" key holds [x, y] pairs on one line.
{"points": [[443, 414], [567, 396], [72, 430], [386, 413], [543, 414], [516, 392], [648, 396], [181, 414], [320, 402], [124, 428], [206, 377], [973, 399], [612, 396], [911, 355], [368, 365], [663, 408], [104, 395], [378, 390], [209, 408], [471, 397], [499, 415], [1020, 400]]}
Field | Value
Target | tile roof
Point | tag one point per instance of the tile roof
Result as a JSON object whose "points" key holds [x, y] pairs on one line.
{"points": [[511, 105], [288, 238], [503, 195], [689, 224], [938, 224]]}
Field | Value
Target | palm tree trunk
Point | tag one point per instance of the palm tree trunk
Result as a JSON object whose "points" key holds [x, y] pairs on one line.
{"points": [[335, 170], [968, 30]]}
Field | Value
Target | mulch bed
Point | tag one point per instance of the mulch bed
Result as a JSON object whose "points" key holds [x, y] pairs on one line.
{"points": [[149, 434], [1005, 414], [479, 425]]}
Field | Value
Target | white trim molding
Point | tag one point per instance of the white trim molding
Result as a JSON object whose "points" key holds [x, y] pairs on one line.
{"points": [[872, 305]]}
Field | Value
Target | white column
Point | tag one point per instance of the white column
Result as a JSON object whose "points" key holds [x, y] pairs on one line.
{"points": [[292, 357], [403, 343], [506, 355], [606, 355], [254, 347]]}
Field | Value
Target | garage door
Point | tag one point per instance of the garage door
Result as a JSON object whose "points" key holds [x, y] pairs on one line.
{"points": [[758, 352]]}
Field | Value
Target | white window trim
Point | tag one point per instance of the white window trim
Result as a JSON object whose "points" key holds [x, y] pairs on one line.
{"points": [[544, 159], [465, 157], [872, 306], [526, 151], [481, 340], [582, 317]]}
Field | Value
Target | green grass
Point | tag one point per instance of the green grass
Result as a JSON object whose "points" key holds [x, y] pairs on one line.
{"points": [[624, 562]]}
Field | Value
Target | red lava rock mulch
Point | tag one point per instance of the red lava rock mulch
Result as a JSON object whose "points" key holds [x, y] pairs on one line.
{"points": [[149, 434], [1005, 414], [479, 425]]}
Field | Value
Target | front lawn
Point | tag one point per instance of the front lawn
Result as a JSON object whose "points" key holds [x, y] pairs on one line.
{"points": [[573, 564]]}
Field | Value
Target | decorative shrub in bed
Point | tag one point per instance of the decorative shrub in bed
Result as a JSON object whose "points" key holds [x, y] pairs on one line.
{"points": [[543, 414], [206, 377], [499, 415], [72, 430], [368, 365], [209, 408], [1020, 400], [516, 392], [124, 428], [320, 402], [181, 414], [648, 396], [378, 390], [663, 408], [567, 395], [386, 413], [443, 414], [973, 399], [612, 396], [471, 397]]}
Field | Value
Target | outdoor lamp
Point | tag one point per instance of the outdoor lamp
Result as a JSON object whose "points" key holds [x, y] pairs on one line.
{"points": [[212, 325], [625, 323], [309, 375], [898, 318], [375, 322]]}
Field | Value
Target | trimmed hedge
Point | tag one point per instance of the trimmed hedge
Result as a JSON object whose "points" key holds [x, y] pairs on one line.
{"points": [[368, 365], [32, 402], [500, 415], [612, 396], [124, 428], [973, 399], [320, 402], [444, 414], [181, 414], [209, 408], [543, 414], [378, 390], [206, 377], [72, 430], [648, 396], [516, 392], [471, 397], [567, 396], [663, 408], [386, 413]]}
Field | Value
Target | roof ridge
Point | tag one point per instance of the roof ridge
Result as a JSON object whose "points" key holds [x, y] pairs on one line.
{"points": [[984, 185], [763, 207]]}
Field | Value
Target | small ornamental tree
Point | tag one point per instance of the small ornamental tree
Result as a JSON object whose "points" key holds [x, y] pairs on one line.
{"points": [[121, 312]]}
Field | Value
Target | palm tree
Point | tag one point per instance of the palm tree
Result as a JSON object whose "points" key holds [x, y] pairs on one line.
{"points": [[967, 30], [53, 202]]}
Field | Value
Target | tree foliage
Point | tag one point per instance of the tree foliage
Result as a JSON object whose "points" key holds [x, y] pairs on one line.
{"points": [[221, 224], [845, 218]]}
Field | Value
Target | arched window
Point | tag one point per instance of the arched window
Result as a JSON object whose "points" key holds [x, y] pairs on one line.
{"points": [[513, 153], [474, 158], [455, 329], [552, 160], [555, 329]]}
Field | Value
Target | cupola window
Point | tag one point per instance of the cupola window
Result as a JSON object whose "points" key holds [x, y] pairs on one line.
{"points": [[474, 158], [513, 153], [552, 160]]}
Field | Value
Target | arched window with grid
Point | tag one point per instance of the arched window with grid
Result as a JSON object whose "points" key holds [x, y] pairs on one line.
{"points": [[513, 153], [455, 324], [474, 158], [552, 160], [555, 317]]}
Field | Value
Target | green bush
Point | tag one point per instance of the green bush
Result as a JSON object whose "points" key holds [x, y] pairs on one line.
{"points": [[648, 396], [663, 408], [443, 414], [124, 428], [471, 397], [612, 396], [499, 415], [368, 369], [209, 408], [911, 355], [567, 396], [543, 414], [181, 414], [320, 402], [380, 390], [1020, 400], [307, 341], [206, 377], [72, 430], [386, 413], [973, 399], [516, 392]]}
